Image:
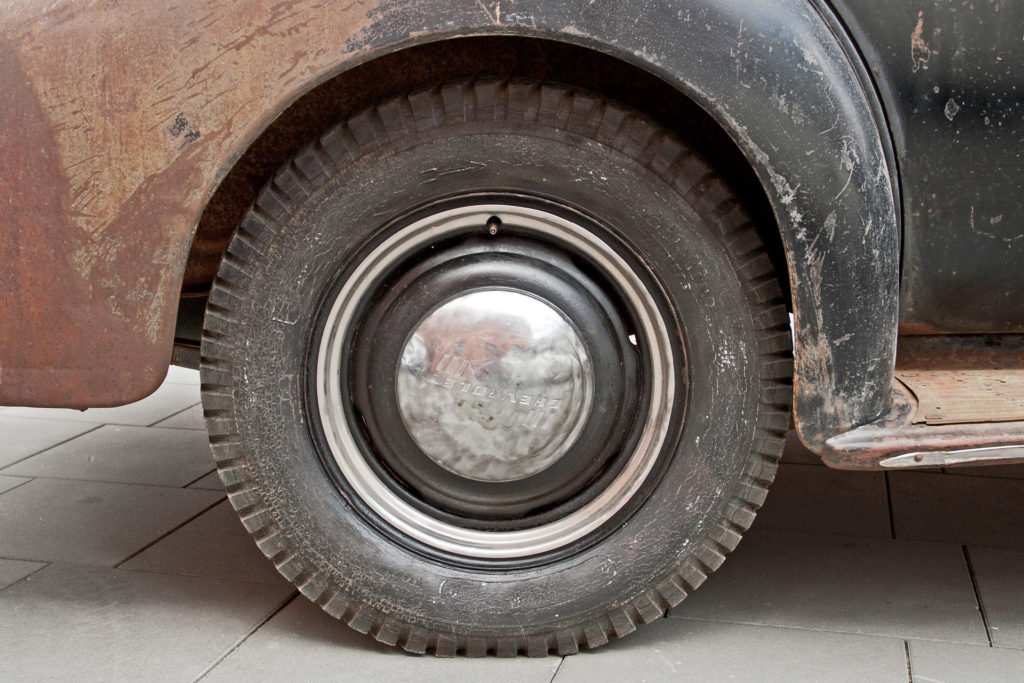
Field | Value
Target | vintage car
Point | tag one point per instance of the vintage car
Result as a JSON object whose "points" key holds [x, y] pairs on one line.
{"points": [[501, 308]]}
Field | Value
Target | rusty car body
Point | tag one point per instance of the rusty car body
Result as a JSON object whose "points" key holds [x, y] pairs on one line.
{"points": [[876, 146]]}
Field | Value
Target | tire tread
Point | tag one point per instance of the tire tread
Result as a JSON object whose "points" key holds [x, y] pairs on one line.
{"points": [[574, 113]]}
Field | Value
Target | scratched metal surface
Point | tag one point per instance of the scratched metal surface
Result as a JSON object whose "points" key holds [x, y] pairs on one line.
{"points": [[128, 115]]}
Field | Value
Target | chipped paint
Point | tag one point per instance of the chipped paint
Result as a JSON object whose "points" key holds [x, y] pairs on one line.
{"points": [[951, 109], [920, 53], [995, 220]]}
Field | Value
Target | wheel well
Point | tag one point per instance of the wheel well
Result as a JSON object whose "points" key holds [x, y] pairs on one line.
{"points": [[424, 65]]}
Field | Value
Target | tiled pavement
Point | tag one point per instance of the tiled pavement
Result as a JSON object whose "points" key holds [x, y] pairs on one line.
{"points": [[120, 560]]}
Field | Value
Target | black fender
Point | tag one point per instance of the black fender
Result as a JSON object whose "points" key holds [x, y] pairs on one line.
{"points": [[786, 84]]}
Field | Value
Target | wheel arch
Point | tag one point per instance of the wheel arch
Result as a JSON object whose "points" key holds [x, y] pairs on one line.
{"points": [[781, 80], [789, 91]]}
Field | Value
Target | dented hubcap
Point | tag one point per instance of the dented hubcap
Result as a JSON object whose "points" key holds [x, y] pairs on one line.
{"points": [[495, 385]]}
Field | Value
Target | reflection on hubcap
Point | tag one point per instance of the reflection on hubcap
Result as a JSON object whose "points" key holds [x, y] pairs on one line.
{"points": [[495, 385]]}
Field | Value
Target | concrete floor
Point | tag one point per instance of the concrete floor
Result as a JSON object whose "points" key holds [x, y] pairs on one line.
{"points": [[121, 560]]}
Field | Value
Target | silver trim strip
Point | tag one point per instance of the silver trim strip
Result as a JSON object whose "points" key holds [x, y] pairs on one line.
{"points": [[958, 457]]}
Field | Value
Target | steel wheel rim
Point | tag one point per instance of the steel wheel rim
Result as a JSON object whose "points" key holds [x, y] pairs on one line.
{"points": [[439, 534]]}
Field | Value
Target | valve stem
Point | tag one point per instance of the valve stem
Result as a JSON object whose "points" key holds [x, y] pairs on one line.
{"points": [[493, 223]]}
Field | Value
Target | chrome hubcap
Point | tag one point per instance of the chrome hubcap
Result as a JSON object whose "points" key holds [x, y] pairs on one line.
{"points": [[495, 385]]}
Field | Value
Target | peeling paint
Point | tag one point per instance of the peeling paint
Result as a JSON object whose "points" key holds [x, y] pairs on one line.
{"points": [[182, 132], [920, 53], [951, 109]]}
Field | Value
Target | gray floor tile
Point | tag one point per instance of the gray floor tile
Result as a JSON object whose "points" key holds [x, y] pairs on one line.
{"points": [[796, 453], [134, 455], [180, 375], [21, 437], [8, 483], [210, 482], [868, 586], [187, 419], [1001, 585], [12, 571], [94, 624], [812, 499], [685, 649], [302, 638], [164, 402], [962, 510], [968, 663], [91, 522], [214, 545]]}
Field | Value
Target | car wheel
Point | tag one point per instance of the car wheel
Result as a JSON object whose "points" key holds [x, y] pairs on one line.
{"points": [[496, 367]]}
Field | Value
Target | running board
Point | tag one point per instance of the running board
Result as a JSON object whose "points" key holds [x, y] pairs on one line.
{"points": [[946, 428]]}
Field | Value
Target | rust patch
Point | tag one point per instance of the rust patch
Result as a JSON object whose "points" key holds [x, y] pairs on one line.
{"points": [[113, 127], [37, 243]]}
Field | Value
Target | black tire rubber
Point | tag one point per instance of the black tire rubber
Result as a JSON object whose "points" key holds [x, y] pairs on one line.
{"points": [[546, 141]]}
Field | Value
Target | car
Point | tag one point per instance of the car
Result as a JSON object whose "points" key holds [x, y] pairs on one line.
{"points": [[503, 309]]}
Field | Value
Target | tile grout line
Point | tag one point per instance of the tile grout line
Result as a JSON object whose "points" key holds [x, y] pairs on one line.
{"points": [[888, 500], [809, 629], [48, 418], [557, 669], [43, 418], [167, 572], [32, 455], [171, 531], [977, 595], [910, 669], [108, 482], [241, 641], [202, 476], [18, 486], [27, 576], [175, 414], [952, 472]]}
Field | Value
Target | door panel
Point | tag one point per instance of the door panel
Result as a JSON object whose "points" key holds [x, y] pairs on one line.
{"points": [[951, 75]]}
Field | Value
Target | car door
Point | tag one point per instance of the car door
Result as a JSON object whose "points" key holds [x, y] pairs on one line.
{"points": [[951, 75]]}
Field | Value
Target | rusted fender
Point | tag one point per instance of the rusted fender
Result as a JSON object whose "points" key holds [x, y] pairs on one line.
{"points": [[117, 122], [135, 112]]}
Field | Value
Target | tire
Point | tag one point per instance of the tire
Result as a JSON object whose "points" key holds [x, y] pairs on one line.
{"points": [[496, 368]]}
